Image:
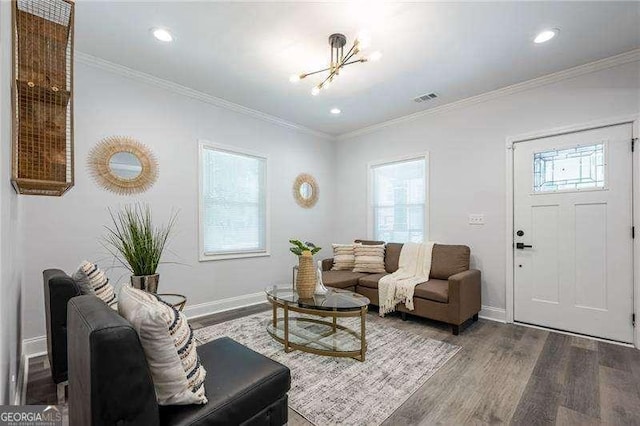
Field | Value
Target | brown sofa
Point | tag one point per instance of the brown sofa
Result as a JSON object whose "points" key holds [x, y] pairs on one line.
{"points": [[451, 295]]}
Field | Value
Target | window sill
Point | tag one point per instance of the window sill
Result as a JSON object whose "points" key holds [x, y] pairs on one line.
{"points": [[229, 256]]}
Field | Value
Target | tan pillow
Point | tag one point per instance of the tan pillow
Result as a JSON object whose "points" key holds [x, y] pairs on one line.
{"points": [[92, 279], [369, 258], [169, 345], [343, 257]]}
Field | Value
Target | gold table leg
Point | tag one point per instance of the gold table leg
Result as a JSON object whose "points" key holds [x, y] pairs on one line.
{"points": [[286, 328], [335, 320], [363, 339], [275, 315]]}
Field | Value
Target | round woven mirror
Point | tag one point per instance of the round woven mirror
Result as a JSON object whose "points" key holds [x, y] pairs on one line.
{"points": [[305, 190], [123, 165]]}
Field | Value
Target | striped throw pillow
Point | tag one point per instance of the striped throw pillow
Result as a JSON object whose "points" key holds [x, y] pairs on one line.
{"points": [[168, 344], [343, 257], [89, 276], [369, 258]]}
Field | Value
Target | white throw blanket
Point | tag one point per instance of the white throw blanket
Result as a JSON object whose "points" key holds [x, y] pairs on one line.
{"points": [[414, 268]]}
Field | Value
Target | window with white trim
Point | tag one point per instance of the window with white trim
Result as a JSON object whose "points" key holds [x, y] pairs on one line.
{"points": [[233, 203], [399, 200]]}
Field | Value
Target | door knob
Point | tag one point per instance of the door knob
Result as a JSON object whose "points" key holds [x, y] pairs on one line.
{"points": [[521, 246]]}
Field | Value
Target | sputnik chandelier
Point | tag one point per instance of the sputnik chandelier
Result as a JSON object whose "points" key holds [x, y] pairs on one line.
{"points": [[339, 59]]}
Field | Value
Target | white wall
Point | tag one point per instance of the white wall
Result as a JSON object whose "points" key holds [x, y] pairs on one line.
{"points": [[9, 223], [468, 156], [61, 232]]}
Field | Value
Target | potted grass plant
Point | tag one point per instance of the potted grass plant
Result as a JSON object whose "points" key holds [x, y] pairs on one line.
{"points": [[138, 244]]}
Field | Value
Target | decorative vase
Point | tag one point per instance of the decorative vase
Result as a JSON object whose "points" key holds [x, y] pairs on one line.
{"points": [[321, 290], [148, 283], [306, 279]]}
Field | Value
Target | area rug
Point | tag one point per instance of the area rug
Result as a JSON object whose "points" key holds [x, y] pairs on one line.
{"points": [[329, 391]]}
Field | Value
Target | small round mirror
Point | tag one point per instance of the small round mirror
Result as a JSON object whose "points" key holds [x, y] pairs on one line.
{"points": [[306, 190], [125, 165]]}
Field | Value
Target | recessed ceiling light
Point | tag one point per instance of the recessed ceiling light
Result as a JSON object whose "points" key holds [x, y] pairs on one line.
{"points": [[335, 111], [162, 34], [545, 36]]}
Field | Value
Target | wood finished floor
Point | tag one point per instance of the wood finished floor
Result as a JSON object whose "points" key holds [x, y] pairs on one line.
{"points": [[504, 374]]}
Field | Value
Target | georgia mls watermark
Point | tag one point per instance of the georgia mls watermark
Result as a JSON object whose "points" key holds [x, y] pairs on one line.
{"points": [[30, 415]]}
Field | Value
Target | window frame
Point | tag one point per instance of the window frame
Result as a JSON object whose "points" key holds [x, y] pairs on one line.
{"points": [[370, 198], [240, 254]]}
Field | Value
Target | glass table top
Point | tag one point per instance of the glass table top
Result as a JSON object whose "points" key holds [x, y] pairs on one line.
{"points": [[334, 300]]}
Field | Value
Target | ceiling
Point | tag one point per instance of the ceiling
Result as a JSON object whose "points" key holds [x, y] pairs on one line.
{"points": [[245, 52]]}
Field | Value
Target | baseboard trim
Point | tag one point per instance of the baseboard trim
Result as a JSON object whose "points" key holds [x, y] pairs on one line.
{"points": [[34, 346], [21, 382], [493, 314], [223, 305]]}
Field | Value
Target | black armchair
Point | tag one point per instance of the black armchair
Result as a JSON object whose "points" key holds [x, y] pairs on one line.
{"points": [[59, 288], [110, 382]]}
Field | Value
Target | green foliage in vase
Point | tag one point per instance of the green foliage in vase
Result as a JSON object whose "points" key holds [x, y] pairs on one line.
{"points": [[134, 240], [299, 247]]}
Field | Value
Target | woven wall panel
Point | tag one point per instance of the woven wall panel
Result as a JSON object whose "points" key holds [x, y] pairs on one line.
{"points": [[43, 72]]}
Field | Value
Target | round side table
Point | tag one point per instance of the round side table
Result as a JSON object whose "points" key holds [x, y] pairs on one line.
{"points": [[176, 300]]}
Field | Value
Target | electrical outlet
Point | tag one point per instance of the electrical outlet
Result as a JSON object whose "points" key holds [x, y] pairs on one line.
{"points": [[476, 219]]}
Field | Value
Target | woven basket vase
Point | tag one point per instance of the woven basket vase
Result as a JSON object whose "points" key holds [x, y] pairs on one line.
{"points": [[306, 279]]}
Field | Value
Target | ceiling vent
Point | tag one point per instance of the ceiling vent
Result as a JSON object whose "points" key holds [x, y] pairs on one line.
{"points": [[426, 97]]}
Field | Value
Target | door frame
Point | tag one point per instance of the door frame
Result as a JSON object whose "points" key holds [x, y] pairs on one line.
{"points": [[634, 120]]}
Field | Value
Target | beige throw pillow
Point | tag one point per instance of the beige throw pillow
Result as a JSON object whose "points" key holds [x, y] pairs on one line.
{"points": [[343, 257], [92, 279], [369, 258], [169, 345]]}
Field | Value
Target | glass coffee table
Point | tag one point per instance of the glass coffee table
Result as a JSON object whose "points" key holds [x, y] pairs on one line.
{"points": [[317, 330]]}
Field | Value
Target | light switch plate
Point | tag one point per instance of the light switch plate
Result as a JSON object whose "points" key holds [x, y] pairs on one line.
{"points": [[476, 219]]}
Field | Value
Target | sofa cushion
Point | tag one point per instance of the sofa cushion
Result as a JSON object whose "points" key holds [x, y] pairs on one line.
{"points": [[436, 290], [240, 384], [370, 280], [392, 257], [448, 260], [341, 279]]}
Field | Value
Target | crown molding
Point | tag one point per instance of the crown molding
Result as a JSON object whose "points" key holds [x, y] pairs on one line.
{"points": [[86, 59], [591, 67]]}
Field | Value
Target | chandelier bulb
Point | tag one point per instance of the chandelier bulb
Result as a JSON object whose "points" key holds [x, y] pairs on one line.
{"points": [[315, 91], [295, 78]]}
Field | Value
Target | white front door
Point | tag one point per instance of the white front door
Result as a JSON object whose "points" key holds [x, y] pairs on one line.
{"points": [[573, 247]]}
